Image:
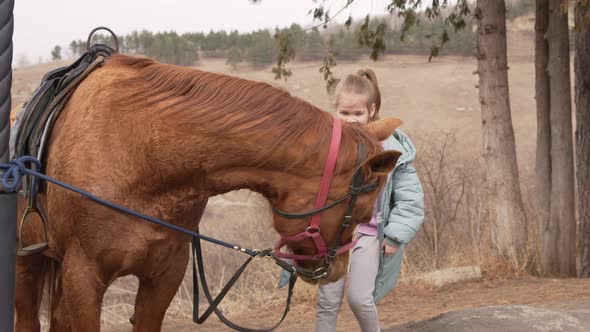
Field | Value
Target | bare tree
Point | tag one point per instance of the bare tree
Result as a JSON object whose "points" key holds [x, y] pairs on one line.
{"points": [[506, 208], [547, 245], [582, 67], [561, 228]]}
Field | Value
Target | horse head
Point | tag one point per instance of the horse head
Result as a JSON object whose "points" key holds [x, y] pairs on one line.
{"points": [[320, 238]]}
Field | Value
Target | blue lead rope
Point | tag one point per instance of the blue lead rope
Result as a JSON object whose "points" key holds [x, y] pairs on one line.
{"points": [[17, 168]]}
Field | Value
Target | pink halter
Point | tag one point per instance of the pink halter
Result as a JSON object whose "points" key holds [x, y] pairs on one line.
{"points": [[313, 231]]}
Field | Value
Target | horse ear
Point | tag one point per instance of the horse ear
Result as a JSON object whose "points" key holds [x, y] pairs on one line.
{"points": [[382, 129], [381, 164]]}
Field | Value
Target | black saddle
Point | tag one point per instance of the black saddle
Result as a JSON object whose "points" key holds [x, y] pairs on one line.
{"points": [[42, 109]]}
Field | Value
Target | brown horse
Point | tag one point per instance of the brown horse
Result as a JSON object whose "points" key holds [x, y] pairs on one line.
{"points": [[161, 139]]}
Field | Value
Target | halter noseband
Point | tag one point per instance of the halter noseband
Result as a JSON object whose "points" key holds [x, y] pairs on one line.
{"points": [[313, 230]]}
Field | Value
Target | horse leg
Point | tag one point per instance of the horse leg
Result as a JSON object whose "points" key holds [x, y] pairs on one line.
{"points": [[59, 315], [157, 290], [83, 290], [30, 278]]}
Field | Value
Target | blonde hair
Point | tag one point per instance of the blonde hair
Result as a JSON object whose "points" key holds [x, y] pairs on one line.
{"points": [[363, 81]]}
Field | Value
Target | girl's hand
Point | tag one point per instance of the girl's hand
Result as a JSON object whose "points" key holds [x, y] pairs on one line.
{"points": [[389, 249]]}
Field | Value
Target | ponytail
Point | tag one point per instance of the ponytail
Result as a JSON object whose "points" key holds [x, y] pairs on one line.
{"points": [[370, 75]]}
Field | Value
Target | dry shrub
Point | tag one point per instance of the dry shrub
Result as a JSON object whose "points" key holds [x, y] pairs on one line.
{"points": [[454, 225], [456, 231]]}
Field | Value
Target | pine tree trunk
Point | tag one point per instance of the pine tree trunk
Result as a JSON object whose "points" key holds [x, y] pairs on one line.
{"points": [[506, 208], [547, 246], [582, 67], [562, 216]]}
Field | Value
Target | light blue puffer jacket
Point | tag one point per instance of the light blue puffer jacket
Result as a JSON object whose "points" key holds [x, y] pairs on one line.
{"points": [[402, 211]]}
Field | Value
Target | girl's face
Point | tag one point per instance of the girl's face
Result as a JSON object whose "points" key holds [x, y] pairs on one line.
{"points": [[352, 107]]}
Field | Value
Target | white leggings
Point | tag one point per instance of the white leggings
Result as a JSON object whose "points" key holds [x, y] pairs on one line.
{"points": [[364, 265]]}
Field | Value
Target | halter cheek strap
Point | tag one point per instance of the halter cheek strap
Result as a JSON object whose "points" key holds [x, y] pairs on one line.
{"points": [[313, 231]]}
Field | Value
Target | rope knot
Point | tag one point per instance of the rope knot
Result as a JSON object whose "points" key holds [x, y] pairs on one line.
{"points": [[15, 169]]}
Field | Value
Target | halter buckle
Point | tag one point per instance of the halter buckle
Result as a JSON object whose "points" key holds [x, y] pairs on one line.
{"points": [[312, 229], [346, 221], [259, 253], [322, 270]]}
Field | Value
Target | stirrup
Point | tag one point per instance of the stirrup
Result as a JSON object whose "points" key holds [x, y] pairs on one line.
{"points": [[33, 248]]}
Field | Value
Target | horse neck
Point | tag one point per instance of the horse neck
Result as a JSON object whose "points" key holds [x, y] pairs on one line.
{"points": [[285, 172], [249, 153], [241, 165]]}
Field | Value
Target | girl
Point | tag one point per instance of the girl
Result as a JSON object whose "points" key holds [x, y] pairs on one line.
{"points": [[376, 259]]}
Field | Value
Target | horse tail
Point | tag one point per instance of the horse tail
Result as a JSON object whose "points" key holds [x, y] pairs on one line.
{"points": [[52, 272]]}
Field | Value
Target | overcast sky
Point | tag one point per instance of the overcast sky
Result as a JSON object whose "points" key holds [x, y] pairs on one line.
{"points": [[39, 25]]}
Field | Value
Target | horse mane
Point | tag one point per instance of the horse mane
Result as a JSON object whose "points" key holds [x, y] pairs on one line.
{"points": [[228, 105]]}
